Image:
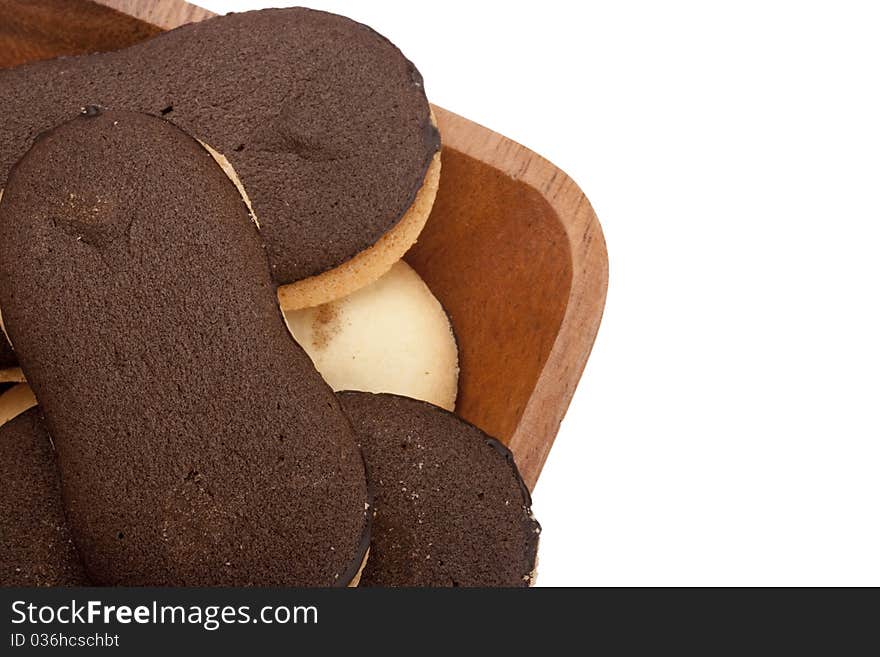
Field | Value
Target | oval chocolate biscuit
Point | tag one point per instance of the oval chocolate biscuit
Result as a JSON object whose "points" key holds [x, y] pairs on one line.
{"points": [[197, 443]]}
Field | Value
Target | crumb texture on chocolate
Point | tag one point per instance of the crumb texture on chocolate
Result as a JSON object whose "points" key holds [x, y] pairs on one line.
{"points": [[324, 120], [36, 548], [451, 508], [197, 444]]}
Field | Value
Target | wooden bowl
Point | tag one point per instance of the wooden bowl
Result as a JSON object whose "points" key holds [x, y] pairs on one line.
{"points": [[513, 248]]}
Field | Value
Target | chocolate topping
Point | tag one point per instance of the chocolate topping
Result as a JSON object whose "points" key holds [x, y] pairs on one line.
{"points": [[451, 508], [35, 544], [196, 442], [324, 120]]}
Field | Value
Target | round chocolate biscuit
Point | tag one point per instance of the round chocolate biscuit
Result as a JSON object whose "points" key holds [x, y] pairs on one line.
{"points": [[451, 507], [391, 336], [197, 444], [323, 119], [36, 548]]}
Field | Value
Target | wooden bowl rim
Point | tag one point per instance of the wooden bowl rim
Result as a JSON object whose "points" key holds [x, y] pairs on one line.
{"points": [[549, 401]]}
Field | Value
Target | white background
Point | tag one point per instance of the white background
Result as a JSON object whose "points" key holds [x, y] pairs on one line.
{"points": [[727, 428]]}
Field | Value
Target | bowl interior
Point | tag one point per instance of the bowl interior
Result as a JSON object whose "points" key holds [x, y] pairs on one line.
{"points": [[496, 255], [31, 30]]}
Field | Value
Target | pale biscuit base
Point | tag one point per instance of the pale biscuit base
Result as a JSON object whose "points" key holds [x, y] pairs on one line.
{"points": [[11, 374], [391, 336], [356, 580], [16, 401], [228, 169], [370, 264]]}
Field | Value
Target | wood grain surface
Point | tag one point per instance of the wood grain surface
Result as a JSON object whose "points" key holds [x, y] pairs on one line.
{"points": [[535, 277], [165, 14], [498, 259], [31, 30], [513, 248]]}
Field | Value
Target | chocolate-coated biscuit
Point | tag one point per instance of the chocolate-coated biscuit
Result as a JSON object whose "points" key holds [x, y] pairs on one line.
{"points": [[35, 544], [323, 119], [196, 442], [451, 508]]}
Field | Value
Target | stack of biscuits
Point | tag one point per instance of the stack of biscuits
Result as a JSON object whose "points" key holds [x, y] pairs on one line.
{"points": [[219, 370]]}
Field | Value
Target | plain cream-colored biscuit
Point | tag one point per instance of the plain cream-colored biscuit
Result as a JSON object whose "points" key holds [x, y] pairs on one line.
{"points": [[16, 401], [391, 336]]}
